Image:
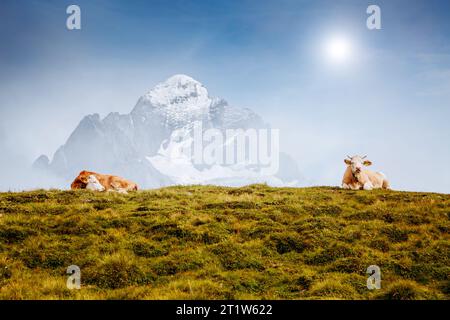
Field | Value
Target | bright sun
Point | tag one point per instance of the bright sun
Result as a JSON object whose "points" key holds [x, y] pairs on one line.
{"points": [[338, 50]]}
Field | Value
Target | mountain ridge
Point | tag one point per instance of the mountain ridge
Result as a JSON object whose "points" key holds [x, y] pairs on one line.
{"points": [[124, 144]]}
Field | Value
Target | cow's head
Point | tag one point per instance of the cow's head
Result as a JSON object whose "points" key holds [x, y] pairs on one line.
{"points": [[94, 184], [92, 179], [81, 181], [356, 163]]}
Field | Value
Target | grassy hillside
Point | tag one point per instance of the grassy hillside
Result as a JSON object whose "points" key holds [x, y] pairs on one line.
{"points": [[225, 243]]}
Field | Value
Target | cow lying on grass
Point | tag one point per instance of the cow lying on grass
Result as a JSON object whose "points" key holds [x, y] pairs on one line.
{"points": [[102, 182], [355, 177]]}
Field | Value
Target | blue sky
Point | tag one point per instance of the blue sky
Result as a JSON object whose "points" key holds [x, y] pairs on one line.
{"points": [[390, 101]]}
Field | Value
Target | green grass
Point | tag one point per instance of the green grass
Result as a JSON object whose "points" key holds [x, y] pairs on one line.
{"points": [[207, 242]]}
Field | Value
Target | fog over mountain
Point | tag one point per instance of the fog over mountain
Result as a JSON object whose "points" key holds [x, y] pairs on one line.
{"points": [[148, 144]]}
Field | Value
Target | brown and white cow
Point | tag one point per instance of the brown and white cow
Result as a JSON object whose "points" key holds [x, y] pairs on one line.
{"points": [[90, 180], [355, 177]]}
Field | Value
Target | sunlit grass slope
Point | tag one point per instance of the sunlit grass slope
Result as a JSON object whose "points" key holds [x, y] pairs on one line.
{"points": [[207, 242]]}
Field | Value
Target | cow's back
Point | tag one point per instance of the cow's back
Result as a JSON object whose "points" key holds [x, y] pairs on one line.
{"points": [[377, 178], [111, 182]]}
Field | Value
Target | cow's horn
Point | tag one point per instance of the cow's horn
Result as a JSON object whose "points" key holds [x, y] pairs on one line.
{"points": [[349, 157], [364, 157]]}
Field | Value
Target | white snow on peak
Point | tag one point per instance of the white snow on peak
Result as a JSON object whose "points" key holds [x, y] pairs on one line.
{"points": [[179, 91], [181, 78], [173, 161], [179, 99]]}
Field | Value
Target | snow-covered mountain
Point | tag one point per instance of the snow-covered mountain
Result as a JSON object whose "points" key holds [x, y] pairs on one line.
{"points": [[147, 144]]}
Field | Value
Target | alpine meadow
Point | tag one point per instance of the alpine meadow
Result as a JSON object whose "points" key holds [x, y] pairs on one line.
{"points": [[224, 158], [208, 242]]}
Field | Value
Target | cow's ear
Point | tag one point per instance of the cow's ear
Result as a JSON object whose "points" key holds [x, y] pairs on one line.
{"points": [[347, 162], [367, 163]]}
